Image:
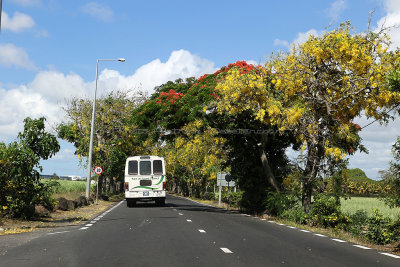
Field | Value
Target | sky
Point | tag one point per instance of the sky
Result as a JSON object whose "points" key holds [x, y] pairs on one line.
{"points": [[49, 48]]}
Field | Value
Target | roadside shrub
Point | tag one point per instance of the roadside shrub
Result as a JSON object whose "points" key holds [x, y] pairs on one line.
{"points": [[232, 198], [297, 215], [382, 230], [326, 212], [276, 203], [209, 196], [358, 222]]}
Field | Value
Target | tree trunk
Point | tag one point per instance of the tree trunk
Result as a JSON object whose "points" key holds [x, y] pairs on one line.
{"points": [[267, 169], [306, 195]]}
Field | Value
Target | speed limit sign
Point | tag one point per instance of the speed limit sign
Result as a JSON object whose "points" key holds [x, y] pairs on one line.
{"points": [[98, 170]]}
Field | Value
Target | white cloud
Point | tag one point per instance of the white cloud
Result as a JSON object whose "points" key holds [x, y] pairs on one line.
{"points": [[378, 139], [336, 8], [99, 11], [302, 37], [279, 42], [47, 92], [17, 23], [13, 56], [26, 3], [181, 64], [391, 19]]}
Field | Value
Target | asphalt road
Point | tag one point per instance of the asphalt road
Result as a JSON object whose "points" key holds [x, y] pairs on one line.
{"points": [[185, 233]]}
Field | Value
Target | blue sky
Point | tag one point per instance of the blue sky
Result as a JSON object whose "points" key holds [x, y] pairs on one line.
{"points": [[49, 48]]}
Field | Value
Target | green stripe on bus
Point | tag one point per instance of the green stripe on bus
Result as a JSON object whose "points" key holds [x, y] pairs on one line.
{"points": [[161, 179]]}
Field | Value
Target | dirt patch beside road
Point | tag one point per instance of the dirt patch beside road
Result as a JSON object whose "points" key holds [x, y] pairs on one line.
{"points": [[56, 219]]}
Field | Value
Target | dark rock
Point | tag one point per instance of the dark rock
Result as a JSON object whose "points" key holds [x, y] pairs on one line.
{"points": [[90, 201], [41, 211], [82, 201], [72, 204], [62, 204]]}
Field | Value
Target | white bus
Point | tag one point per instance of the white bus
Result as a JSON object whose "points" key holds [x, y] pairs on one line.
{"points": [[145, 179]]}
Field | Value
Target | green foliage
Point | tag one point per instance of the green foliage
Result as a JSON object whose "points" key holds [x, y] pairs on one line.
{"points": [[209, 196], [296, 214], [20, 188], [391, 178], [114, 138], [358, 222], [276, 203], [232, 198], [358, 175], [326, 212], [381, 230]]}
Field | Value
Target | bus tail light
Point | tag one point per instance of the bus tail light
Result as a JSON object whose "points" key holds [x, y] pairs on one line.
{"points": [[126, 186], [164, 186]]}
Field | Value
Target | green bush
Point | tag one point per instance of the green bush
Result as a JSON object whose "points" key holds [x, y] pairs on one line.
{"points": [[382, 230], [209, 196], [297, 215], [20, 188], [326, 212], [232, 198], [276, 203], [358, 222]]}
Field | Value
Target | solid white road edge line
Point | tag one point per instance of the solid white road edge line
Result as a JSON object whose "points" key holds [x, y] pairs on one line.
{"points": [[226, 250], [305, 231], [358, 246], [390, 255]]}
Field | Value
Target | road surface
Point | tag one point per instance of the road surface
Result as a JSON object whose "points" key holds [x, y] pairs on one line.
{"points": [[186, 233]]}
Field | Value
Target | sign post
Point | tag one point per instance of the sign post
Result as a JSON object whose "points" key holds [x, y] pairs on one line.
{"points": [[224, 179], [98, 170]]}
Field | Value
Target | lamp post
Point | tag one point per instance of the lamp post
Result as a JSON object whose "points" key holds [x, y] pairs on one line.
{"points": [[89, 176]]}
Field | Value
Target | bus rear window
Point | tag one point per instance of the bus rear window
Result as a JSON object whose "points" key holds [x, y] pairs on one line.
{"points": [[157, 167], [133, 167], [145, 167]]}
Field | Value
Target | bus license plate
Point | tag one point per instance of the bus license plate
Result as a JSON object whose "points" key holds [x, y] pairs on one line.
{"points": [[145, 194]]}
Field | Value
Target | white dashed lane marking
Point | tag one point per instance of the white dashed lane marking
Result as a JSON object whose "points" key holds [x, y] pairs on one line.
{"points": [[291, 227], [339, 240], [226, 250], [201, 231], [189, 220], [83, 228], [180, 213], [320, 235], [390, 255], [305, 231], [55, 233], [358, 246]]}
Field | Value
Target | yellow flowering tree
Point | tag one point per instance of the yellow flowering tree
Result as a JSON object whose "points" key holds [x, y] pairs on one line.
{"points": [[315, 91], [195, 157]]}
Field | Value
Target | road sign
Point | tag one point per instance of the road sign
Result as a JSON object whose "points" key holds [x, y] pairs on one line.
{"points": [[98, 170], [225, 179]]}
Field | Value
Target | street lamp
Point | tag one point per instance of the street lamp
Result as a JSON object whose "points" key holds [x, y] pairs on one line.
{"points": [[89, 176]]}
